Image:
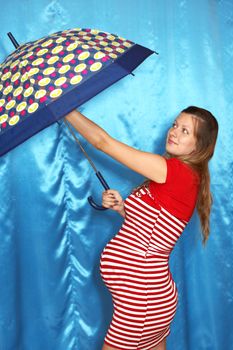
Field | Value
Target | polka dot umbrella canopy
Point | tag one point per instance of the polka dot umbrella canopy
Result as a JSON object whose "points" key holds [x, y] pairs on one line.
{"points": [[43, 80]]}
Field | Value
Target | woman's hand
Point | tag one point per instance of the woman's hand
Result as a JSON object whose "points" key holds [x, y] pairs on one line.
{"points": [[113, 200]]}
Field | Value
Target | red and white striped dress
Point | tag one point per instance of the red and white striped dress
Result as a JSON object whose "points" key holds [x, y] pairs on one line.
{"points": [[135, 267]]}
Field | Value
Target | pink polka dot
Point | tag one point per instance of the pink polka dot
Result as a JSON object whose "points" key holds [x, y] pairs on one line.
{"points": [[85, 71], [51, 88], [104, 59], [53, 74], [23, 113], [67, 43], [4, 125], [39, 77], [42, 65], [91, 61], [48, 56], [1, 109], [12, 113], [31, 101], [88, 30], [43, 99], [73, 61], [79, 51], [65, 86], [59, 65], [19, 97], [9, 98], [71, 75]]}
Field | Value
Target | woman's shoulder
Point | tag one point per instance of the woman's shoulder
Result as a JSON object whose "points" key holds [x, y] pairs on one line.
{"points": [[178, 168]]}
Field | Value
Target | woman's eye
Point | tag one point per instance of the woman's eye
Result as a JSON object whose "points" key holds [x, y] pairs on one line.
{"points": [[185, 131], [174, 125]]}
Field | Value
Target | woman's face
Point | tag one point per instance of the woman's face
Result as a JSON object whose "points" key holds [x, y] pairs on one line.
{"points": [[180, 137]]}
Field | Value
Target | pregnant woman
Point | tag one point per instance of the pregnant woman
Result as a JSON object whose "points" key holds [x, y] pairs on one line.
{"points": [[135, 263]]}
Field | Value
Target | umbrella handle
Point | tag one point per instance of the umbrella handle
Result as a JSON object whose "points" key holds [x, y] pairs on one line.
{"points": [[105, 185]]}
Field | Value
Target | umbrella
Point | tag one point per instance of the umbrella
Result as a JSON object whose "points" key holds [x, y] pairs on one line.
{"points": [[44, 80]]}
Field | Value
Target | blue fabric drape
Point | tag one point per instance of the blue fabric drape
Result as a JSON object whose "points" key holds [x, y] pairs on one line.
{"points": [[51, 293]]}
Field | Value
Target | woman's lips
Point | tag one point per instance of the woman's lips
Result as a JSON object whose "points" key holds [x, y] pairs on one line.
{"points": [[171, 142]]}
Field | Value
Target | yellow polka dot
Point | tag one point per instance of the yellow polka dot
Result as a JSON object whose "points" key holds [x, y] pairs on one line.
{"points": [[47, 43], [80, 67], [6, 76], [28, 54], [76, 79], [42, 52], [7, 90], [103, 43], [28, 91], [68, 58], [41, 93], [60, 81], [24, 77], [14, 120], [82, 33], [95, 66], [115, 43], [109, 49], [44, 81], [15, 63], [15, 77], [111, 37], [85, 47], [33, 71], [87, 37], [49, 71], [113, 55], [1, 87], [21, 106], [84, 55], [10, 104], [99, 55], [72, 47], [56, 93], [60, 40], [127, 44], [95, 31], [23, 63], [64, 69], [33, 107], [3, 118], [119, 49], [18, 91], [38, 61], [53, 59], [57, 49], [99, 37], [91, 42], [2, 102]]}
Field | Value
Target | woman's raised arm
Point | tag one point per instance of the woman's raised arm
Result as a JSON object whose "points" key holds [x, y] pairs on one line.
{"points": [[150, 165]]}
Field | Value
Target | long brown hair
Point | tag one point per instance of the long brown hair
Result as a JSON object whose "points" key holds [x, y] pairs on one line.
{"points": [[205, 131]]}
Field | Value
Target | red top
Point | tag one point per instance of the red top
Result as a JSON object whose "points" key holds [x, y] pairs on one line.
{"points": [[179, 193]]}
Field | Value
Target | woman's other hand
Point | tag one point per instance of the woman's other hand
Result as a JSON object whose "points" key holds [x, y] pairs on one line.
{"points": [[113, 200]]}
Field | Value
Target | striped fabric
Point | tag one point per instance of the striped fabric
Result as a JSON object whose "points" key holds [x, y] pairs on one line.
{"points": [[135, 267]]}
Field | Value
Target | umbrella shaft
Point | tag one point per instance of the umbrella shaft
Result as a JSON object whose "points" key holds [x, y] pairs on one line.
{"points": [[81, 147]]}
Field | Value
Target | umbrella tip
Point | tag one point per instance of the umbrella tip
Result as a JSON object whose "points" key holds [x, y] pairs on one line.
{"points": [[13, 40]]}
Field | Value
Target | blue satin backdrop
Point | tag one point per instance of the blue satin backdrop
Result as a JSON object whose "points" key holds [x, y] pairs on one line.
{"points": [[51, 293]]}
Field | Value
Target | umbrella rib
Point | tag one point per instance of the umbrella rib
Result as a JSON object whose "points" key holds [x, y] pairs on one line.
{"points": [[80, 145]]}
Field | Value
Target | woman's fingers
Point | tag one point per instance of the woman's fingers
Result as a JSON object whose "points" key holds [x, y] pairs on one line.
{"points": [[112, 199]]}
